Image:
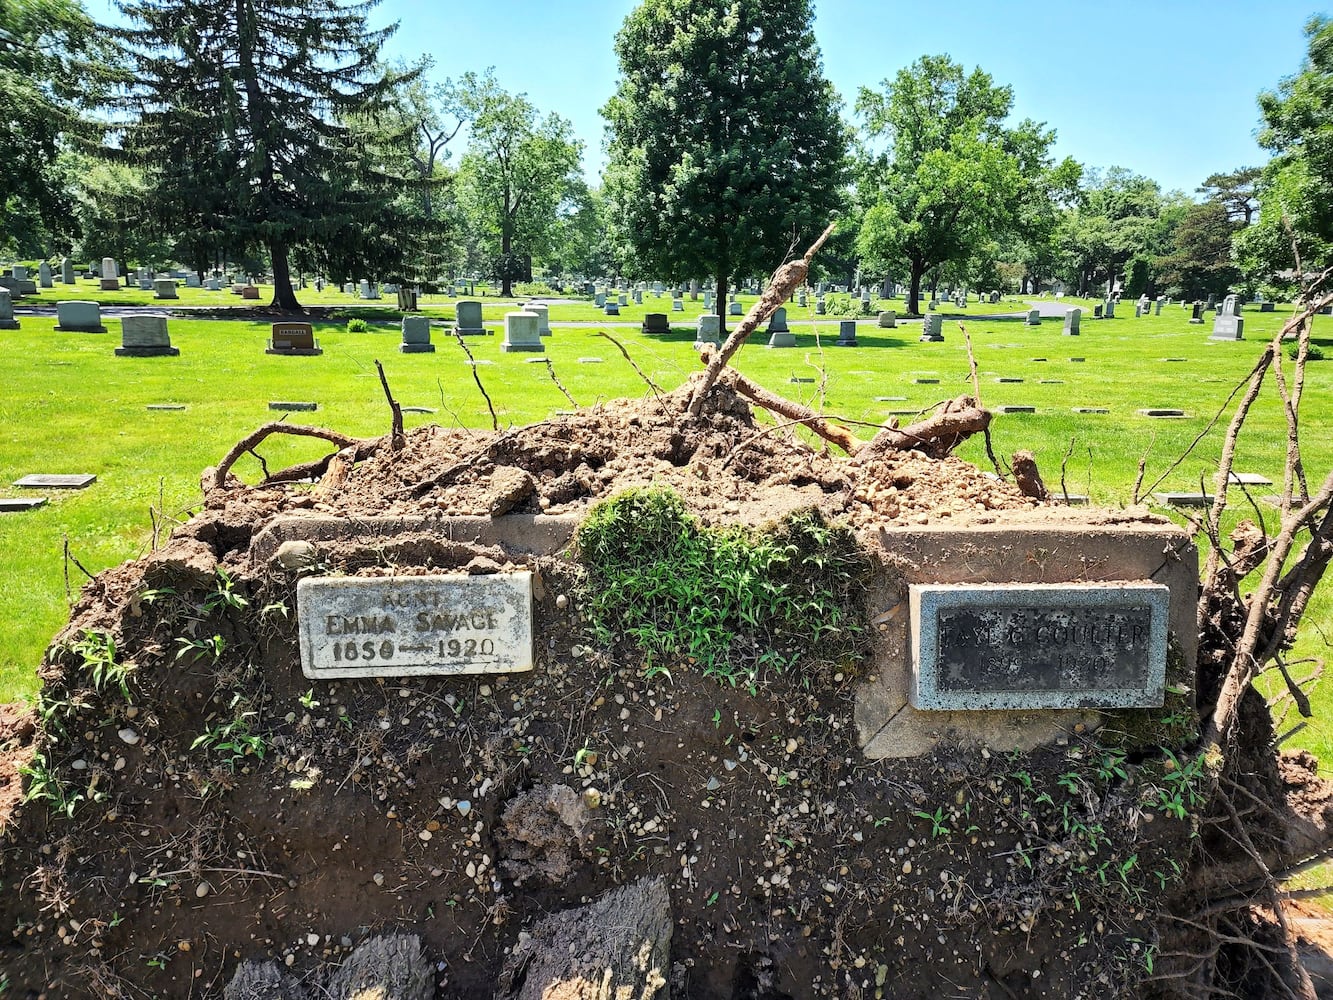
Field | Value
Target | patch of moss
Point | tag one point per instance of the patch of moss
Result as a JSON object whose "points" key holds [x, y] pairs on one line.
{"points": [[732, 600]]}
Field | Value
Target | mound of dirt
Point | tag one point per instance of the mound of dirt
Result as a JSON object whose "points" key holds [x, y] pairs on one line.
{"points": [[197, 804]]}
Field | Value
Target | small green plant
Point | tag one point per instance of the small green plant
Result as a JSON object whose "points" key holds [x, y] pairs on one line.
{"points": [[938, 828], [308, 700], [44, 785], [357, 326], [97, 650], [224, 593], [198, 648], [233, 740]]}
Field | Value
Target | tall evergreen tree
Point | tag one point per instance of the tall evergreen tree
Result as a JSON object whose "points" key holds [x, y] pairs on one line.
{"points": [[242, 106], [726, 148]]}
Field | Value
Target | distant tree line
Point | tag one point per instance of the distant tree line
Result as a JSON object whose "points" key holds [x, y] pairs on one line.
{"points": [[271, 135]]}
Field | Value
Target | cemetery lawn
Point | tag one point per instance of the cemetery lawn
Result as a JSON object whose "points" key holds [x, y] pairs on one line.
{"points": [[70, 406]]}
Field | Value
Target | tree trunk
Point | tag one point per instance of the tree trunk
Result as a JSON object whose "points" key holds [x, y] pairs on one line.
{"points": [[914, 289], [506, 283], [283, 296], [722, 307]]}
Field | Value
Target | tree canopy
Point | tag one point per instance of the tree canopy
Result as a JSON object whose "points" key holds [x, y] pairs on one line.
{"points": [[517, 169], [942, 172], [1295, 225], [725, 146]]}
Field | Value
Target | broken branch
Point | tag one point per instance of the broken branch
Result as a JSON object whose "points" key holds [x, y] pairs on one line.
{"points": [[275, 427], [784, 281]]}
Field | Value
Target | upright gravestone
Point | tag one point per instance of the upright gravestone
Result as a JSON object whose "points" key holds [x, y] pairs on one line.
{"points": [[1034, 318], [801, 298], [110, 274], [1143, 304], [44, 276], [165, 288], [599, 299], [543, 317], [708, 331], [250, 292], [1211, 304], [467, 313], [622, 300], [779, 334], [1196, 317], [888, 320], [1097, 311], [708, 299], [192, 280], [820, 308], [677, 305], [638, 297], [7, 320], [416, 336], [1072, 318], [145, 336], [694, 289], [1161, 301], [213, 285], [735, 308], [865, 302], [1228, 324], [611, 308], [297, 339], [655, 323], [847, 333], [67, 271], [79, 317], [1108, 309], [932, 329]]}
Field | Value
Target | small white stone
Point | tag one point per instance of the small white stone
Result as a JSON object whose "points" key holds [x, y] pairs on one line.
{"points": [[312, 939], [378, 878], [202, 889], [424, 835], [464, 806], [562, 602], [80, 765], [129, 736]]}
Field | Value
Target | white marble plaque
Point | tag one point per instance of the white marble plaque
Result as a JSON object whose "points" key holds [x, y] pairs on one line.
{"points": [[406, 626]]}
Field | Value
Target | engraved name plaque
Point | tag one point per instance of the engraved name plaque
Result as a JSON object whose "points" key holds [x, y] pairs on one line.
{"points": [[405, 626], [1036, 646]]}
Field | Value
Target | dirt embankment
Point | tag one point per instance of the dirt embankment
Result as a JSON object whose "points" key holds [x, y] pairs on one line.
{"points": [[200, 804]]}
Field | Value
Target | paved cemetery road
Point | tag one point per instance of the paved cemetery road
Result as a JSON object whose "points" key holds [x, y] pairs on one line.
{"points": [[1050, 308]]}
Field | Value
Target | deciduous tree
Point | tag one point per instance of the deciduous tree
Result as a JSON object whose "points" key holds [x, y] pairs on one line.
{"points": [[726, 150], [517, 169]]}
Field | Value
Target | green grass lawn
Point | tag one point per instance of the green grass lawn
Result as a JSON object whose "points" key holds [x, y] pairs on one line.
{"points": [[69, 406]]}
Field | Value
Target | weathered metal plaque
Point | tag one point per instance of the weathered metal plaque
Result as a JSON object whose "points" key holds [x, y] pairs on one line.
{"points": [[403, 626], [1031, 646]]}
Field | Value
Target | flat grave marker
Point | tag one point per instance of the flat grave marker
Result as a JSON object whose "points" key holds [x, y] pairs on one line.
{"points": [[48, 481], [291, 406], [1250, 479], [414, 626], [1091, 409], [1159, 412], [1015, 409], [1038, 646], [1184, 499], [165, 407], [13, 505]]}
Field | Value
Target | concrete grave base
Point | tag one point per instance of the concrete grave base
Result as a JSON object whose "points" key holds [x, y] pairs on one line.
{"points": [[148, 352], [1015, 547], [9, 324], [304, 352], [785, 339], [416, 348]]}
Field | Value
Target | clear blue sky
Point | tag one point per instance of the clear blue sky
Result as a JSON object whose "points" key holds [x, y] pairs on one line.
{"points": [[1164, 88]]}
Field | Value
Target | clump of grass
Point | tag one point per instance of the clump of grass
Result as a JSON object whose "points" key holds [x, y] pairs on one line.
{"points": [[1315, 353], [357, 326], [731, 600]]}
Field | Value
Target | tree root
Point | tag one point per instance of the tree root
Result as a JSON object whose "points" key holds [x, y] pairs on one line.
{"points": [[218, 478]]}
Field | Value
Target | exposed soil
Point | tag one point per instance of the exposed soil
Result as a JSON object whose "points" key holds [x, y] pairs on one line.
{"points": [[223, 809]]}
